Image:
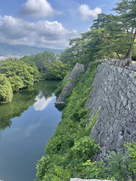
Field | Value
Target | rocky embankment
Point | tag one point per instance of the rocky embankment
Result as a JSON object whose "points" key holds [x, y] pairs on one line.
{"points": [[114, 94], [70, 81]]}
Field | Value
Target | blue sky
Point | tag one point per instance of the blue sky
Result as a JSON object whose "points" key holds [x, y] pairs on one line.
{"points": [[48, 23]]}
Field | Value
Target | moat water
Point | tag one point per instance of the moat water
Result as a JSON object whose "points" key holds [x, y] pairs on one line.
{"points": [[26, 125]]}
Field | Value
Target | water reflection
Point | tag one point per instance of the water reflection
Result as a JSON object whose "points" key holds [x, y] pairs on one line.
{"points": [[39, 95], [27, 130], [41, 102], [32, 127]]}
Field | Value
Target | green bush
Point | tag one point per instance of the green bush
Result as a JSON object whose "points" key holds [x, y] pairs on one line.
{"points": [[132, 162], [59, 144], [56, 71], [57, 174], [118, 166], [42, 166], [95, 170], [84, 149]]}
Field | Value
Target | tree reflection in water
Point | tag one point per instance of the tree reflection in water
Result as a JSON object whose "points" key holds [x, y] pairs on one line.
{"points": [[23, 99]]}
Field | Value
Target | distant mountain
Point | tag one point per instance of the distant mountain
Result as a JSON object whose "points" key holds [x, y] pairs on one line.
{"points": [[21, 50]]}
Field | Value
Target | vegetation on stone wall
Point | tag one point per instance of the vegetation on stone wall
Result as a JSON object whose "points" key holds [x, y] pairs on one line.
{"points": [[70, 153], [71, 146]]}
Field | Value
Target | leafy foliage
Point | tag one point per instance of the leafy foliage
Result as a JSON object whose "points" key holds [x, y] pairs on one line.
{"points": [[95, 170], [118, 165], [23, 72], [84, 148], [19, 73], [6, 92], [71, 145], [56, 70], [70, 150], [132, 148], [42, 60], [110, 36]]}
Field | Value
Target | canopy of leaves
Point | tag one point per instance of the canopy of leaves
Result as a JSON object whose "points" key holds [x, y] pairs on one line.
{"points": [[6, 92], [56, 70], [110, 36], [42, 60], [20, 74]]}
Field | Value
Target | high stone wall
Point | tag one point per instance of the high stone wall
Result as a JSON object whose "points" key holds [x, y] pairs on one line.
{"points": [[114, 94], [71, 80]]}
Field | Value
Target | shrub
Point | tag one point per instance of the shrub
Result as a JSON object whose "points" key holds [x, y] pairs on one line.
{"points": [[85, 148], [132, 163], [118, 166]]}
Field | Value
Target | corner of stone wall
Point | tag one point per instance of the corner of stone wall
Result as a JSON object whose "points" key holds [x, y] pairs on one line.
{"points": [[71, 79]]}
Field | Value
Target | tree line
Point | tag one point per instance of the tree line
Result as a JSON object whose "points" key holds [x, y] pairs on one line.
{"points": [[110, 36], [16, 74]]}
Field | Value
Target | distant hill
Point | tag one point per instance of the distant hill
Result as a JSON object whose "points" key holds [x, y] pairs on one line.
{"points": [[21, 50]]}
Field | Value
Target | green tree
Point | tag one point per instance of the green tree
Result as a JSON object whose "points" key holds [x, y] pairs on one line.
{"points": [[118, 166], [6, 92], [20, 74], [56, 70], [67, 55], [42, 60], [32, 67], [119, 31], [127, 19], [110, 36]]}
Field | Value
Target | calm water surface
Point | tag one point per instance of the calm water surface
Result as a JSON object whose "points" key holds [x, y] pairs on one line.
{"points": [[26, 125]]}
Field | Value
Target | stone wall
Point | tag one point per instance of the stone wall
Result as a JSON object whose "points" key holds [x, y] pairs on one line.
{"points": [[71, 78], [122, 64], [114, 94]]}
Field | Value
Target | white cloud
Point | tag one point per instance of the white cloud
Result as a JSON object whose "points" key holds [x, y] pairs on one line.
{"points": [[86, 13], [13, 28], [37, 9], [39, 33]]}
